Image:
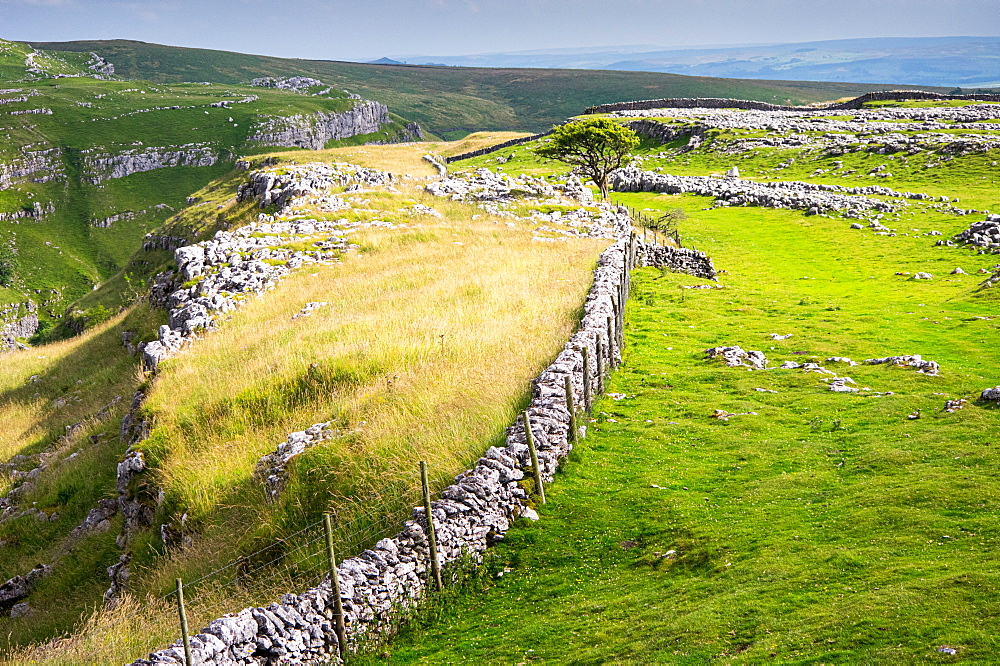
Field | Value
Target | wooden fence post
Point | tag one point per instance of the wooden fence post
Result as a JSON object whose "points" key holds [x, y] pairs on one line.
{"points": [[600, 364], [184, 623], [611, 345], [587, 399], [535, 468], [574, 434], [431, 537], [338, 604]]}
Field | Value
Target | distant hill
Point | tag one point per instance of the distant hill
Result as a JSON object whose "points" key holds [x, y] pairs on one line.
{"points": [[452, 101], [933, 61], [385, 61]]}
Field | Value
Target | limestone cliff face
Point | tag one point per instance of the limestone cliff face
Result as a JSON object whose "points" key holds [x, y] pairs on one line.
{"points": [[24, 327], [102, 166], [36, 166], [313, 131]]}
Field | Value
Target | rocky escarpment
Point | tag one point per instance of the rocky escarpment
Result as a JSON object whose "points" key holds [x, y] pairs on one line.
{"points": [[308, 182], [36, 166], [233, 263], [17, 321], [313, 131], [101, 68], [410, 132], [100, 166], [213, 275], [22, 328]]}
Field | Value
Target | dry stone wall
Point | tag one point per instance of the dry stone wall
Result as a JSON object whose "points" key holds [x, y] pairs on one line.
{"points": [[493, 149], [469, 516], [725, 103], [732, 191]]}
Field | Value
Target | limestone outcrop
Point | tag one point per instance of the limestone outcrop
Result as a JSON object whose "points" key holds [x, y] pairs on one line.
{"points": [[314, 130], [100, 166], [739, 192], [985, 234]]}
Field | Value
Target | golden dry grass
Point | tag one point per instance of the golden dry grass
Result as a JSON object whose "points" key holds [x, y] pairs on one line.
{"points": [[424, 351], [404, 158], [73, 379]]}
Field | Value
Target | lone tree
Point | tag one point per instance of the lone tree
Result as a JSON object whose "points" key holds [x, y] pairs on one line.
{"points": [[597, 146]]}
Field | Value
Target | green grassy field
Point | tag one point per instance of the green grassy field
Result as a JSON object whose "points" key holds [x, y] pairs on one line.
{"points": [[814, 527], [825, 528], [452, 101]]}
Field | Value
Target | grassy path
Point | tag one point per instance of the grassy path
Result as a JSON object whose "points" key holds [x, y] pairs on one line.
{"points": [[825, 528]]}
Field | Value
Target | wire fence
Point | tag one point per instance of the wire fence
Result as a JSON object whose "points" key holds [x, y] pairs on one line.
{"points": [[660, 230], [293, 563]]}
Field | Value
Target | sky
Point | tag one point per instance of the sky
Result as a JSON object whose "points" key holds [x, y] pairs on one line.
{"points": [[369, 29]]}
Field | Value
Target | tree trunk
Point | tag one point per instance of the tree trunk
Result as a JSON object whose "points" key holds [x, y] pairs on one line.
{"points": [[603, 184]]}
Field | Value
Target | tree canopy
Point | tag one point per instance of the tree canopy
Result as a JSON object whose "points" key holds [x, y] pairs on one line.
{"points": [[597, 146]]}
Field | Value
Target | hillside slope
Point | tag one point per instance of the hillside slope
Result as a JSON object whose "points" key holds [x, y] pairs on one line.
{"points": [[89, 164], [404, 326], [935, 61], [446, 98]]}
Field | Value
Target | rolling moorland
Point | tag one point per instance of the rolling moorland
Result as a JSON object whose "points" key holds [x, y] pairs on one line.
{"points": [[452, 101], [965, 62], [734, 513]]}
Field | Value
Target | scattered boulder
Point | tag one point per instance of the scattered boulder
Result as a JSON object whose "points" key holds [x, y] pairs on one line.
{"points": [[20, 610], [991, 394], [915, 361], [954, 405], [19, 587], [985, 233], [736, 356], [840, 385], [308, 309]]}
